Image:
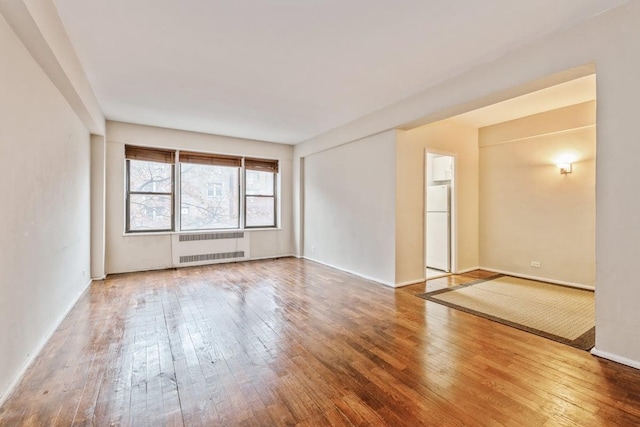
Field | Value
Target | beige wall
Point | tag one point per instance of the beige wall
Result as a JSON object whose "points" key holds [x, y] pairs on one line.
{"points": [[609, 41], [149, 252], [447, 137], [528, 210], [349, 207], [44, 175]]}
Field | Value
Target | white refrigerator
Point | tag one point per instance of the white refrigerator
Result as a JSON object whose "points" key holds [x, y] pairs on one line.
{"points": [[438, 224]]}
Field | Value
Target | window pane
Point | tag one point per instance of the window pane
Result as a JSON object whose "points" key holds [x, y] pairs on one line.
{"points": [[149, 176], [260, 211], [259, 183], [149, 212], [210, 197]]}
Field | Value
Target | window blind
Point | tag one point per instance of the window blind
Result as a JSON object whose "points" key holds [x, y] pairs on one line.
{"points": [[261, 165], [149, 154], [210, 159]]}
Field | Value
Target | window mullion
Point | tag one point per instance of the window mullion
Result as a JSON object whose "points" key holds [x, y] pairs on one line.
{"points": [[177, 188], [242, 222], [173, 198], [127, 225], [275, 200]]}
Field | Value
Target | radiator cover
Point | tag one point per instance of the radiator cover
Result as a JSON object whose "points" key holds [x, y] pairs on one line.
{"points": [[210, 247]]}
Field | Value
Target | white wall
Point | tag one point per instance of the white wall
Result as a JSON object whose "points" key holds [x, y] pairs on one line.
{"points": [[39, 28], [98, 185], [528, 210], [44, 170], [349, 206], [449, 137], [611, 41], [138, 252]]}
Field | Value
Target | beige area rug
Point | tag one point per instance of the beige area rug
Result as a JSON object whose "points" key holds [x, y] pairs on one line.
{"points": [[557, 312]]}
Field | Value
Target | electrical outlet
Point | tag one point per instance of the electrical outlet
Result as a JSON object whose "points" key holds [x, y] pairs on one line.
{"points": [[535, 264], [313, 249]]}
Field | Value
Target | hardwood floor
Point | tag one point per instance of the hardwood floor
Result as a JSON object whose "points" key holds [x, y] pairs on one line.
{"points": [[291, 342]]}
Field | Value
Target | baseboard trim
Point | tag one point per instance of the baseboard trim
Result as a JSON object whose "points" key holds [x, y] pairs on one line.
{"points": [[172, 267], [271, 257], [36, 352], [352, 272], [540, 279], [615, 358]]}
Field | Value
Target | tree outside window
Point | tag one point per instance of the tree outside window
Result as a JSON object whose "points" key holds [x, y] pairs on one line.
{"points": [[211, 196], [150, 196]]}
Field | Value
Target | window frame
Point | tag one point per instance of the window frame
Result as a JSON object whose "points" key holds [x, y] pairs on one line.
{"points": [[274, 196], [195, 230], [129, 193], [173, 157]]}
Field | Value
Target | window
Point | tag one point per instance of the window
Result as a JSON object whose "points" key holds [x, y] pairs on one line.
{"points": [[260, 192], [149, 189], [209, 191], [219, 208]]}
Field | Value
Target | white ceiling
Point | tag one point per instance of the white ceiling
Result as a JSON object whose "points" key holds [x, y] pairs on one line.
{"points": [[288, 70]]}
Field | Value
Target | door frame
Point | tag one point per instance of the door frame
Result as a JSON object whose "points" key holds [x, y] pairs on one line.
{"points": [[453, 231]]}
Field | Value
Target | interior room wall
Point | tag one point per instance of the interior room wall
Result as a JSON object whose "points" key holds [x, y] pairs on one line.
{"points": [[44, 169], [609, 41], [528, 210], [349, 206], [447, 137], [137, 252]]}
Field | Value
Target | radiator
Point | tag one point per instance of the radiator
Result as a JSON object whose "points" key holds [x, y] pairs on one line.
{"points": [[209, 248]]}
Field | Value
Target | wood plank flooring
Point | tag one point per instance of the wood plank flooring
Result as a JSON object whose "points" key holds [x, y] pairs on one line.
{"points": [[291, 342]]}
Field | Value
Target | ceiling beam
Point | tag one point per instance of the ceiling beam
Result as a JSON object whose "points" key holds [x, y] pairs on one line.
{"points": [[39, 28]]}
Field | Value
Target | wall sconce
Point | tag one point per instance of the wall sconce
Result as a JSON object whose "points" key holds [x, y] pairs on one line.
{"points": [[565, 168]]}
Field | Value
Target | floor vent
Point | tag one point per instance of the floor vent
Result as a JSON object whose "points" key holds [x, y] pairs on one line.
{"points": [[211, 236], [211, 257]]}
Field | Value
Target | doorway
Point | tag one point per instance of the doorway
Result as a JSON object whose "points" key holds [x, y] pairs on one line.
{"points": [[439, 212]]}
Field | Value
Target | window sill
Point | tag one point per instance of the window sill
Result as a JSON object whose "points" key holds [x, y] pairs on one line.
{"points": [[170, 233]]}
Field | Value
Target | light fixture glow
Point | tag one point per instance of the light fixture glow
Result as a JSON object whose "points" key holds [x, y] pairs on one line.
{"points": [[565, 168], [564, 160]]}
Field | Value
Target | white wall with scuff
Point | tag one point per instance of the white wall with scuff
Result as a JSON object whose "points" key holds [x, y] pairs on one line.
{"points": [[44, 176]]}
